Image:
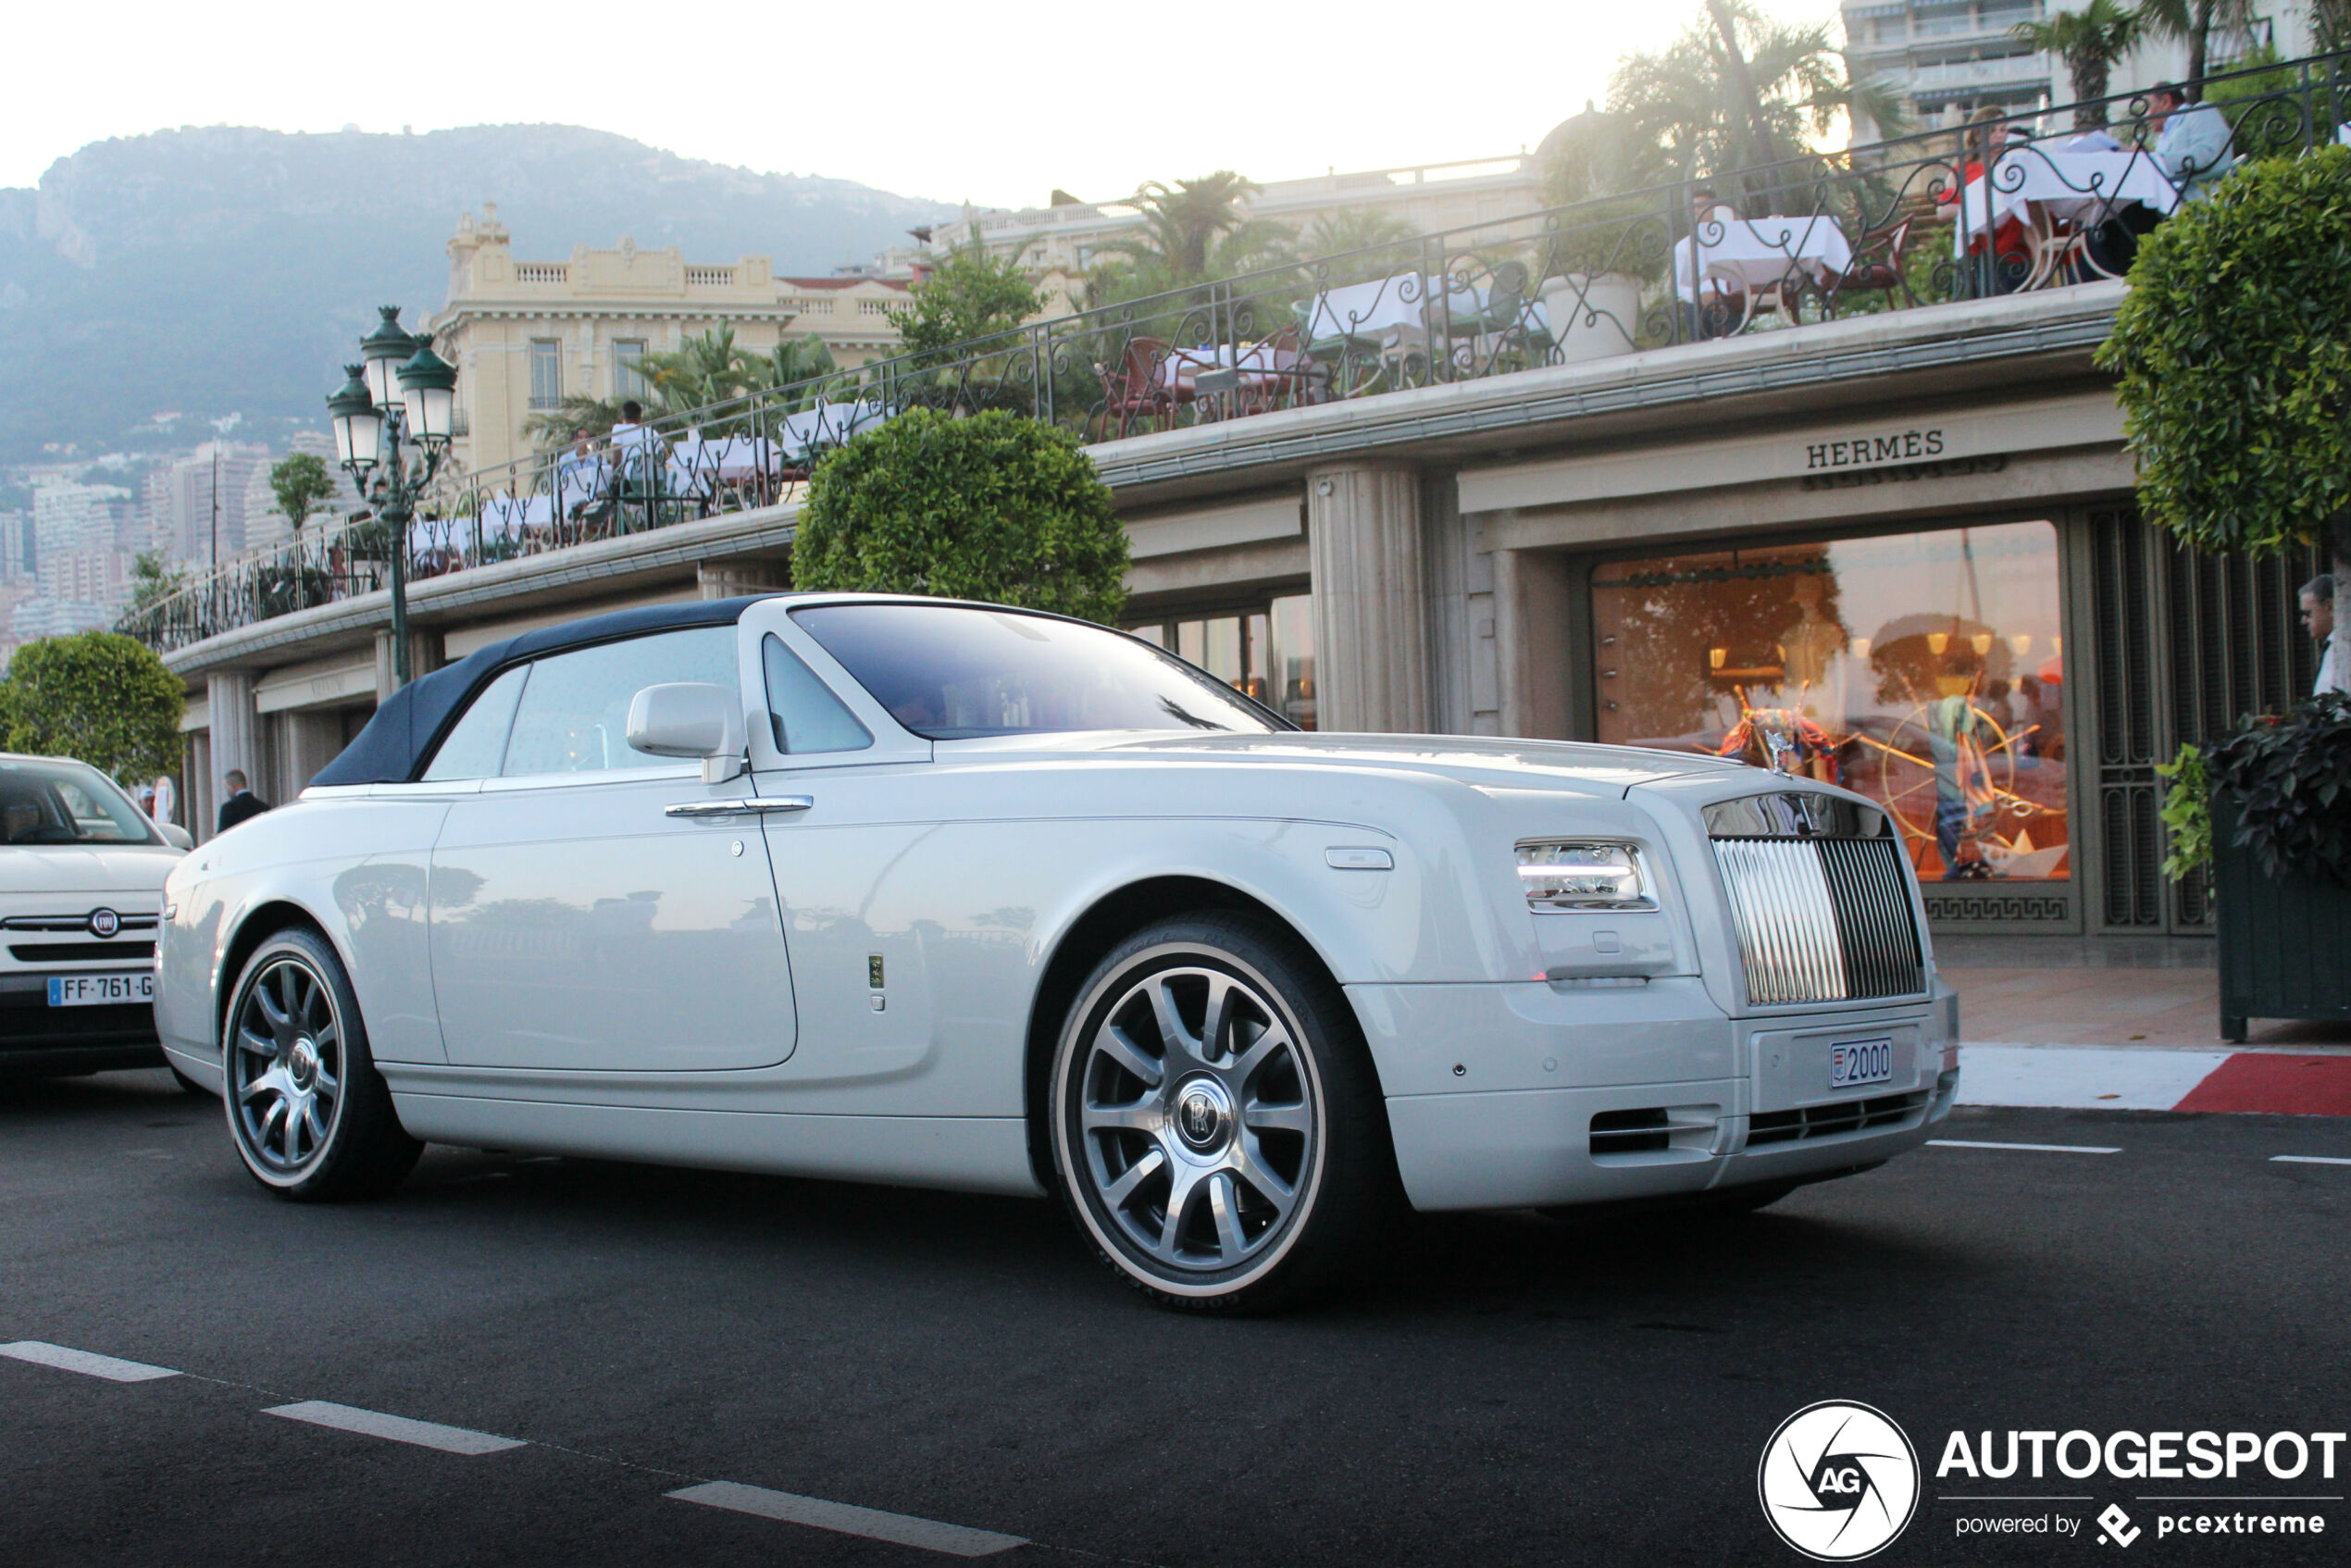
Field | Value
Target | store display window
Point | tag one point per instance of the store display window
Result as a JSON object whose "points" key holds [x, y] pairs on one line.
{"points": [[1267, 652], [1923, 670]]}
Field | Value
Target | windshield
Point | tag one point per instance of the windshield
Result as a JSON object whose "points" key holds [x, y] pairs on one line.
{"points": [[64, 803], [948, 673]]}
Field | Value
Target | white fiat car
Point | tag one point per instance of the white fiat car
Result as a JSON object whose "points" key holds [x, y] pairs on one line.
{"points": [[82, 874], [952, 895]]}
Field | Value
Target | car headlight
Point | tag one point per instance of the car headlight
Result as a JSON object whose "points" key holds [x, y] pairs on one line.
{"points": [[1571, 874]]}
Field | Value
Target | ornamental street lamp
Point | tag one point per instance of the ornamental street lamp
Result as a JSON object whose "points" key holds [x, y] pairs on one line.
{"points": [[400, 393]]}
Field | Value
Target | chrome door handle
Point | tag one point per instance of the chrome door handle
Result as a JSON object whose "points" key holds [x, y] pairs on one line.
{"points": [[752, 806]]}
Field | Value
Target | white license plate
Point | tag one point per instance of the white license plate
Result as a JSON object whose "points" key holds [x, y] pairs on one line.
{"points": [[101, 991], [1857, 1062]]}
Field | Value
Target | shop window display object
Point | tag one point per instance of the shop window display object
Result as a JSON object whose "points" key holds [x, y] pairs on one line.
{"points": [[1923, 670]]}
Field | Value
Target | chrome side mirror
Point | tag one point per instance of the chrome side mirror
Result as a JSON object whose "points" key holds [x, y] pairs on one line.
{"points": [[692, 718]]}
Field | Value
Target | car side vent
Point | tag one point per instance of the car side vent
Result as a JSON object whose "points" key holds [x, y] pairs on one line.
{"points": [[1827, 1121], [1631, 1132], [1655, 1135]]}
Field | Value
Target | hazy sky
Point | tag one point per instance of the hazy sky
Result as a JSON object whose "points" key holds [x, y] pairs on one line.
{"points": [[996, 102]]}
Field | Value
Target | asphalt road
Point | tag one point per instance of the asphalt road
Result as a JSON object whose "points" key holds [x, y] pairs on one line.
{"points": [[1509, 1390]]}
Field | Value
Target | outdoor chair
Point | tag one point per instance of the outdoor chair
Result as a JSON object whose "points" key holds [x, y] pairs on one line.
{"points": [[1135, 389], [1879, 262]]}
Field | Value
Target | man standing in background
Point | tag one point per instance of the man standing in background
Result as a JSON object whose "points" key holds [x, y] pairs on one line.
{"points": [[243, 804], [2318, 619]]}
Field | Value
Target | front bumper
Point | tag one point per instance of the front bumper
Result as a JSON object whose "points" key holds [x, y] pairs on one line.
{"points": [[37, 1038], [1535, 1094]]}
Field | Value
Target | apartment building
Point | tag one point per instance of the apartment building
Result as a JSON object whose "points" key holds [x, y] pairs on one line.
{"points": [[524, 335]]}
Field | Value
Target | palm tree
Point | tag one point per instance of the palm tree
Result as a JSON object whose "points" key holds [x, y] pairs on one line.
{"points": [[1356, 244], [2330, 24], [1194, 231], [2089, 40], [1739, 90], [2195, 22], [795, 362], [551, 430], [704, 370]]}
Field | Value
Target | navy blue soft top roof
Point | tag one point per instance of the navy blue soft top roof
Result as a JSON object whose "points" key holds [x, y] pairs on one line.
{"points": [[397, 741]]}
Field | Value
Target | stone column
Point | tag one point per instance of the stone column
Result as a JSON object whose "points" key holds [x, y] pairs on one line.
{"points": [[424, 649], [731, 580], [1371, 609], [1531, 643], [235, 723]]}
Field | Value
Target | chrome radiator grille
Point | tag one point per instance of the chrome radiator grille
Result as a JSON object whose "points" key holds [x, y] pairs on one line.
{"points": [[1820, 917]]}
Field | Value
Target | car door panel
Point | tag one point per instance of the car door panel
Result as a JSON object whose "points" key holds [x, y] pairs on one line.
{"points": [[579, 926]]}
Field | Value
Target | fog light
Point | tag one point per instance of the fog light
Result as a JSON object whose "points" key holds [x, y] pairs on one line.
{"points": [[1570, 875]]}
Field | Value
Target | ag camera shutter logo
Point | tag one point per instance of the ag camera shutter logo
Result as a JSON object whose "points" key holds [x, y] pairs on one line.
{"points": [[1839, 1481]]}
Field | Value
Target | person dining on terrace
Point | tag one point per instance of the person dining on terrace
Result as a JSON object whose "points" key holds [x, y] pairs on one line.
{"points": [[579, 477], [1984, 140], [2192, 141]]}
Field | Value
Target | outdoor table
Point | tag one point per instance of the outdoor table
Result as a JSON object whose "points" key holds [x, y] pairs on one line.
{"points": [[1253, 365], [1391, 306], [1758, 256], [2055, 196], [827, 424]]}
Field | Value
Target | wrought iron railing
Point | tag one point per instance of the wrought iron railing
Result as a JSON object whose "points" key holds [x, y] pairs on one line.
{"points": [[2029, 201]]}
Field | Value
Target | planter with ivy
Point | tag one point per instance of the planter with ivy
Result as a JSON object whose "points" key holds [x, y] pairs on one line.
{"points": [[2278, 837]]}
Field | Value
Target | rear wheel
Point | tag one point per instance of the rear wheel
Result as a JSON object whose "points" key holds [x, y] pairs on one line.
{"points": [[1218, 1129], [307, 1111]]}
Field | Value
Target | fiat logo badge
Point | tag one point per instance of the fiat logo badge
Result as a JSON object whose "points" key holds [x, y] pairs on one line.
{"points": [[104, 922]]}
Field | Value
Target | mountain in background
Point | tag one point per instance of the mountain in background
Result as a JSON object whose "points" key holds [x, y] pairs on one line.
{"points": [[219, 270]]}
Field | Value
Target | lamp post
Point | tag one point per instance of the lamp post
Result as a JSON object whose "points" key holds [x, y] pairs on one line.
{"points": [[400, 394]]}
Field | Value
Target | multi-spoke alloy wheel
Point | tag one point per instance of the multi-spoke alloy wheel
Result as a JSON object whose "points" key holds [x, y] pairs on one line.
{"points": [[1203, 1083], [309, 1114], [285, 1067]]}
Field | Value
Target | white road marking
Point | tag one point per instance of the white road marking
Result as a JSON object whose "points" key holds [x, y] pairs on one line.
{"points": [[89, 1365], [902, 1529], [395, 1428], [2082, 1077], [2307, 1160], [2028, 1148]]}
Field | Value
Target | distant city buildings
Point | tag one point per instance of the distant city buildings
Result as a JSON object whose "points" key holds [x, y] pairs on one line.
{"points": [[1946, 60], [526, 335], [68, 563]]}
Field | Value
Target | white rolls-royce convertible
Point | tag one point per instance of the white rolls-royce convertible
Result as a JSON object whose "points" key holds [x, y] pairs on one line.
{"points": [[953, 895]]}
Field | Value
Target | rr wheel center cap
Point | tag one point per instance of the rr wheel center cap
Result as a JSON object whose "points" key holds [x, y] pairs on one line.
{"points": [[302, 1063], [1204, 1115]]}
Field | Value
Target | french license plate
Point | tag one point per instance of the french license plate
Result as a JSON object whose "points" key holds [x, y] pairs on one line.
{"points": [[1857, 1062], [101, 991]]}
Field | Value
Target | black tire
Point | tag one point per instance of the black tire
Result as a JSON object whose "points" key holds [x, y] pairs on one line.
{"points": [[1275, 1097], [293, 1030], [187, 1085]]}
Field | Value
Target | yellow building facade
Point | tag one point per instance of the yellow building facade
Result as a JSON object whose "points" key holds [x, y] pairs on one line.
{"points": [[524, 335]]}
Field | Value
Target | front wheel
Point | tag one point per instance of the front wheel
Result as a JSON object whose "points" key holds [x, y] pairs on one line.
{"points": [[307, 1111], [1218, 1131]]}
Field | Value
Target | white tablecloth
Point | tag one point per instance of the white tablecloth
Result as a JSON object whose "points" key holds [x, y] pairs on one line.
{"points": [[1758, 254], [2069, 187], [807, 433], [1254, 361], [1385, 304]]}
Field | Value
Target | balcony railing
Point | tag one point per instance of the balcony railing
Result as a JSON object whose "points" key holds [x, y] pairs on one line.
{"points": [[1911, 223]]}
